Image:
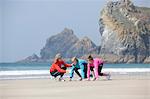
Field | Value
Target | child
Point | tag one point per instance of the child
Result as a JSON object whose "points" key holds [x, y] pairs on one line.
{"points": [[78, 64], [96, 65], [57, 69]]}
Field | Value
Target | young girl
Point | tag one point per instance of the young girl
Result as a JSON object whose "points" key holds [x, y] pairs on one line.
{"points": [[78, 64], [95, 65], [57, 69]]}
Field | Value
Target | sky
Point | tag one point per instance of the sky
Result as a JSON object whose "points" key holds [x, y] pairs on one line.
{"points": [[26, 24]]}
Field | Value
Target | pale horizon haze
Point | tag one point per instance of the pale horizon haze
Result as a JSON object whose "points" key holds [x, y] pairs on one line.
{"points": [[26, 24]]}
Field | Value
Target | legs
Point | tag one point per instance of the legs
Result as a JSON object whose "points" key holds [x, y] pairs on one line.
{"points": [[103, 74], [76, 70], [100, 69], [62, 74], [56, 73], [85, 70]]}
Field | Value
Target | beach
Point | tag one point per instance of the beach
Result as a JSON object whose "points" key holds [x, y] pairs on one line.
{"points": [[32, 81], [120, 87]]}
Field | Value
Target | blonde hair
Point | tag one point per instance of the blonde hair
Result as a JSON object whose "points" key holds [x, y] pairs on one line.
{"points": [[58, 56], [73, 59]]}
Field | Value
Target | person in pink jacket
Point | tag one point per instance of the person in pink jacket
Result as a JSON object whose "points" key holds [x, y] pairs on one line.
{"points": [[95, 65]]}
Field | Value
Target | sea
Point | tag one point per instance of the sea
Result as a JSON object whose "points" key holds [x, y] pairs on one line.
{"points": [[15, 71]]}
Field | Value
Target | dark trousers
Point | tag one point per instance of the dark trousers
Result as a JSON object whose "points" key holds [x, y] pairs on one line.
{"points": [[91, 69], [56, 73], [100, 70], [76, 70], [85, 70]]}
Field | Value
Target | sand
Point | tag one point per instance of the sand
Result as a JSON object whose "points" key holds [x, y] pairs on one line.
{"points": [[101, 89]]}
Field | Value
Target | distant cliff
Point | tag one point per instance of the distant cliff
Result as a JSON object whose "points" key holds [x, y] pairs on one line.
{"points": [[33, 58], [125, 31], [66, 43]]}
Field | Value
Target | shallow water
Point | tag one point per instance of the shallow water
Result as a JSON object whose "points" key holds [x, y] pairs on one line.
{"points": [[41, 70]]}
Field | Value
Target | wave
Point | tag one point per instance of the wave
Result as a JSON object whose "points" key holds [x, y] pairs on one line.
{"points": [[36, 74], [46, 72], [127, 70], [24, 72]]}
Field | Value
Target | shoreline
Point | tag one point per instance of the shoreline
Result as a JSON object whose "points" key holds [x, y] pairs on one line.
{"points": [[114, 75]]}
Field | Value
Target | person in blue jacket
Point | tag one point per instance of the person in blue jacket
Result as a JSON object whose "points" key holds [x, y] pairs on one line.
{"points": [[78, 64]]}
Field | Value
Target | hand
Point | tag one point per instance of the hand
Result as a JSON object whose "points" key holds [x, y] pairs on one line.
{"points": [[72, 64], [67, 71]]}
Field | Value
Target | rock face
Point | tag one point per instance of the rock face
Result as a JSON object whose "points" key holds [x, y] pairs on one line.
{"points": [[82, 47], [125, 31], [32, 58], [66, 43], [59, 43]]}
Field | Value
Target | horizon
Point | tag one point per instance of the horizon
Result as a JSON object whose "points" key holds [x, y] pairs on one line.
{"points": [[24, 20]]}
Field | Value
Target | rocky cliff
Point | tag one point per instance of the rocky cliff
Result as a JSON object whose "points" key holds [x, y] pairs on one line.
{"points": [[82, 47], [66, 43], [59, 43], [30, 59], [125, 31]]}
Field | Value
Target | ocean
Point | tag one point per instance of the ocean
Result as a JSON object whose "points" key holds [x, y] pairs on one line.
{"points": [[10, 71]]}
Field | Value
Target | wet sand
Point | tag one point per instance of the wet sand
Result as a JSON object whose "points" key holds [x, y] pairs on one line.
{"points": [[117, 88]]}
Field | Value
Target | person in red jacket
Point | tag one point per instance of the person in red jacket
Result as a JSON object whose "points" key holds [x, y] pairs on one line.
{"points": [[59, 67]]}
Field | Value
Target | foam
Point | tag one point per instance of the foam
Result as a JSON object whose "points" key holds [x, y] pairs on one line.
{"points": [[46, 72], [24, 72]]}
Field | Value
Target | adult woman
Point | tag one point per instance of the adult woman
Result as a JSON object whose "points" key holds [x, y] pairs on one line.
{"points": [[78, 64], [59, 67], [95, 65]]}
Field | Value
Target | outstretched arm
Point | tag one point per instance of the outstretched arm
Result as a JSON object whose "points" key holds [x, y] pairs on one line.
{"points": [[96, 69], [96, 72], [88, 71], [67, 65]]}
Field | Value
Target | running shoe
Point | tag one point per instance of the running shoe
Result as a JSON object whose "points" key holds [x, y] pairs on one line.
{"points": [[61, 79], [108, 77]]}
